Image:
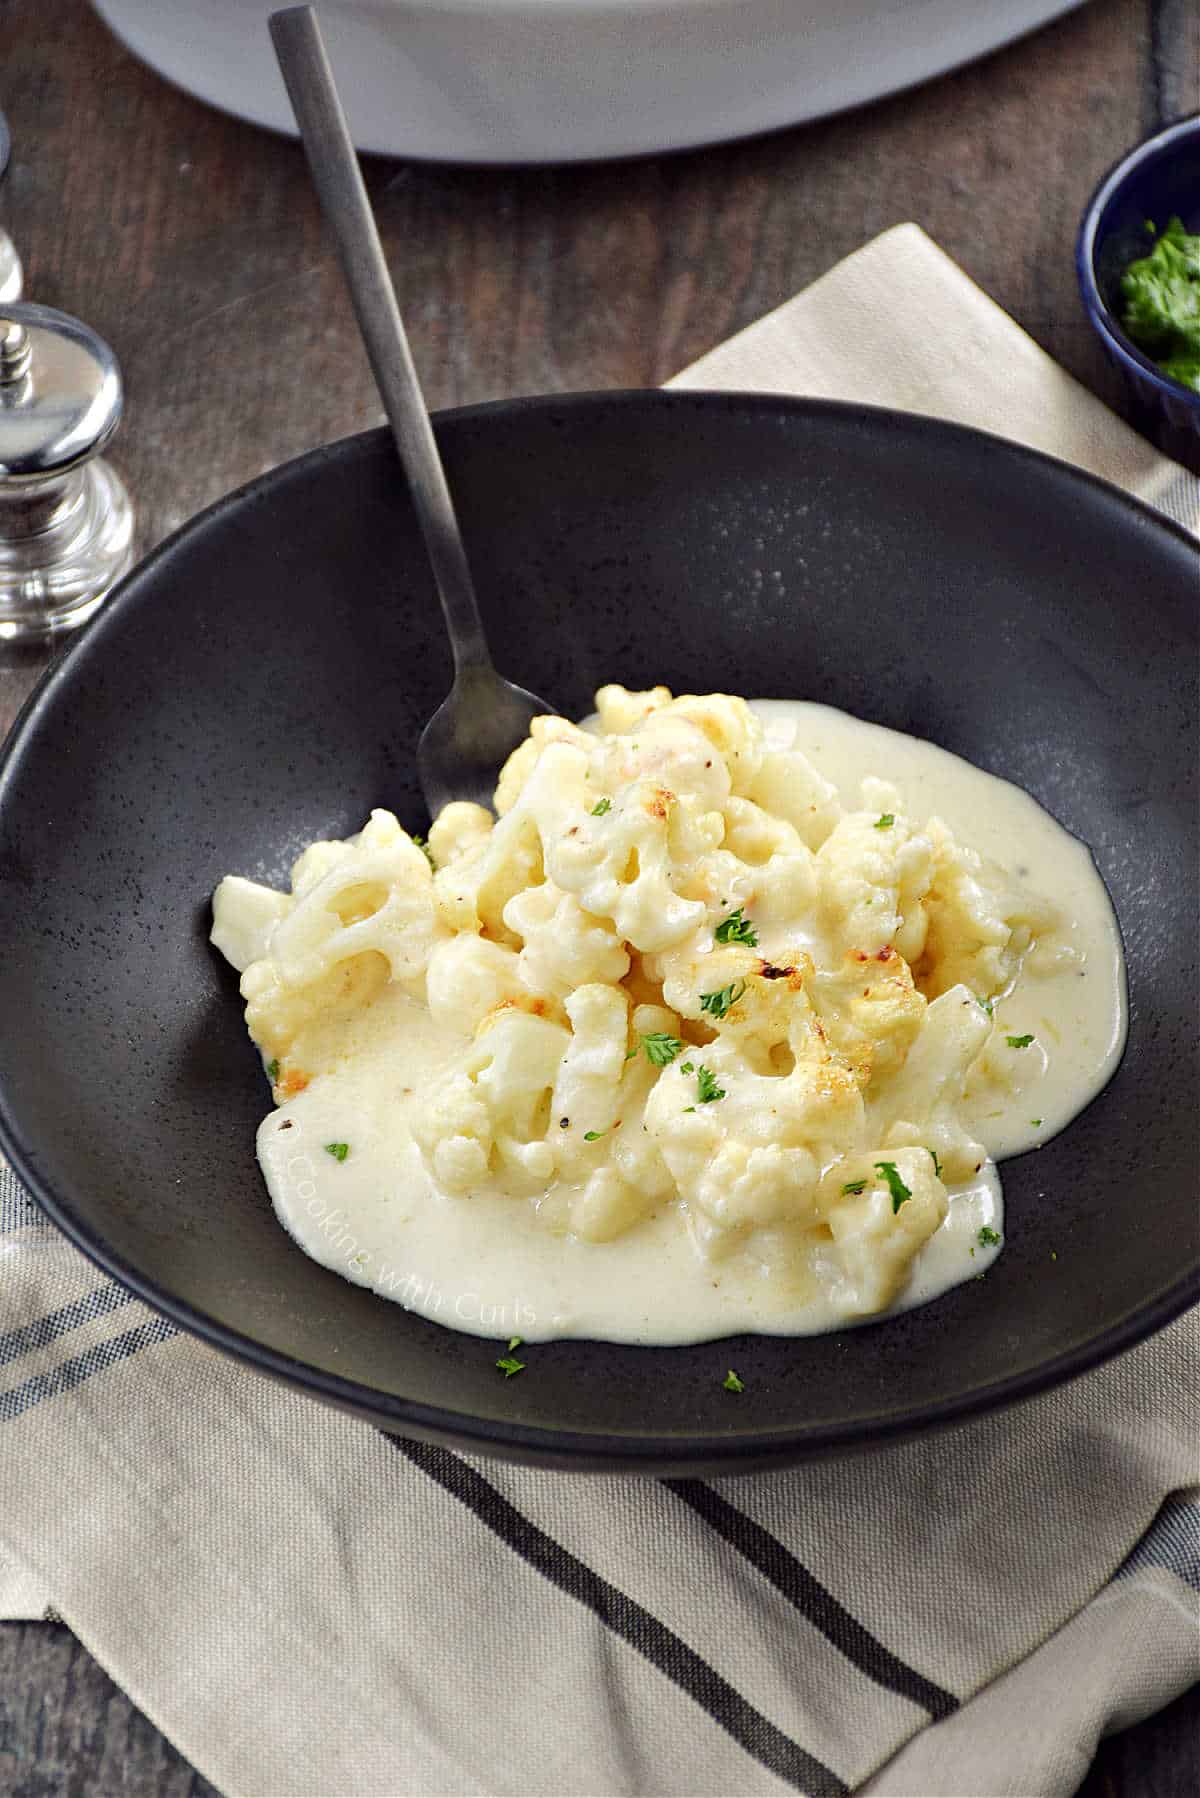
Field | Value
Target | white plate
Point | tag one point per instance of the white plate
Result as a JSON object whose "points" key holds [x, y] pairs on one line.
{"points": [[568, 80]]}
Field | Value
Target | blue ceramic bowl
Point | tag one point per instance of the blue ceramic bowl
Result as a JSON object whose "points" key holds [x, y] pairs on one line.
{"points": [[1156, 180]]}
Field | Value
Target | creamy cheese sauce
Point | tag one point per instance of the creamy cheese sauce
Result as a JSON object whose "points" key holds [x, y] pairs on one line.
{"points": [[490, 1265]]}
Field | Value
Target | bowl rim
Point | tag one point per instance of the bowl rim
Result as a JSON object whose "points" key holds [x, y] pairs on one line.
{"points": [[1100, 315], [568, 1450]]}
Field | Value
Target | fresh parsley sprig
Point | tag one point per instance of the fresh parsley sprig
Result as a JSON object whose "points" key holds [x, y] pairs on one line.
{"points": [[717, 1004], [660, 1048], [707, 1089], [895, 1185], [736, 928]]}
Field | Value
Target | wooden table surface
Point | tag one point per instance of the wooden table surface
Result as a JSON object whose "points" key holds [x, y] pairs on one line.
{"points": [[191, 242]]}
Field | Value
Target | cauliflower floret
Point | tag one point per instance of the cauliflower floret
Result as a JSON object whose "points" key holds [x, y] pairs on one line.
{"points": [[920, 1103], [870, 1009], [297, 1024], [474, 890], [631, 1149], [999, 1071], [314, 863], [467, 978], [619, 866], [979, 925], [875, 871], [785, 871], [789, 787], [746, 1188], [453, 1129], [744, 1147], [362, 914], [759, 1005], [607, 1206], [510, 1071], [458, 828], [668, 751], [635, 1179], [375, 892], [562, 947], [618, 710], [516, 772], [878, 1230], [244, 916], [732, 729], [586, 1088]]}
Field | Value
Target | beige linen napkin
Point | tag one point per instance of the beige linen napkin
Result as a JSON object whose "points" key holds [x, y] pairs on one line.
{"points": [[899, 324], [310, 1609]]}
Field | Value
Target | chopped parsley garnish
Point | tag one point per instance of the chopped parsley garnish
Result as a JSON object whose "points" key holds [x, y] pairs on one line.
{"points": [[937, 1166], [895, 1184], [601, 806], [1019, 1042], [513, 1342], [660, 1048], [339, 1150], [508, 1364], [426, 851], [855, 1186], [708, 1090], [687, 1068], [273, 1069], [594, 1135], [731, 1382], [885, 820], [1161, 291], [988, 1238], [736, 929], [984, 1004], [718, 1003], [1035, 1122]]}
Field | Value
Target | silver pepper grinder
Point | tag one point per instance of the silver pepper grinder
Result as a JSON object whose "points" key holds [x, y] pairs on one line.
{"points": [[66, 522]]}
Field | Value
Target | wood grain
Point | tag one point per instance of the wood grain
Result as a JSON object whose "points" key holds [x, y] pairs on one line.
{"points": [[192, 242], [67, 1732]]}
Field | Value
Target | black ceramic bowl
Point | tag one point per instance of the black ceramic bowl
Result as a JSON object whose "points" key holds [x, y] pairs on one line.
{"points": [[260, 681]]}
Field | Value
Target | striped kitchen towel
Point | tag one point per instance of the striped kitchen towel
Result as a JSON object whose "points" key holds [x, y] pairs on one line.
{"points": [[311, 1609]]}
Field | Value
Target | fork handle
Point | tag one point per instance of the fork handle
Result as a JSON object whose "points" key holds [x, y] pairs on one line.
{"points": [[306, 70]]}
